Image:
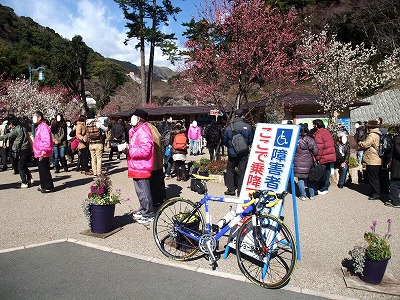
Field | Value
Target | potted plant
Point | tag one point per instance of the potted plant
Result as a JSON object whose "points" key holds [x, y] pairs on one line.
{"points": [[99, 206], [370, 261]]}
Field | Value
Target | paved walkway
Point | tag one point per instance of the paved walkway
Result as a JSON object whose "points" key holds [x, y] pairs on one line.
{"points": [[329, 227]]}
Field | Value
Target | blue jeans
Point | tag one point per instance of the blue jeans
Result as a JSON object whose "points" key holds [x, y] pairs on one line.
{"points": [[58, 152], [360, 156], [168, 164], [326, 183], [302, 182], [342, 174], [193, 146]]}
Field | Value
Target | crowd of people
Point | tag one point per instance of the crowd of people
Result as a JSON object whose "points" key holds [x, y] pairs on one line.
{"points": [[155, 152], [333, 152]]}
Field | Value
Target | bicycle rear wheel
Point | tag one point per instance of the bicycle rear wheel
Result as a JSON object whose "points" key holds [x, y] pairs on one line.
{"points": [[266, 252], [177, 213]]}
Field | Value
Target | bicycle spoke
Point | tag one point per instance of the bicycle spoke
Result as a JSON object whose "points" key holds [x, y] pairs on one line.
{"points": [[169, 240], [266, 253]]}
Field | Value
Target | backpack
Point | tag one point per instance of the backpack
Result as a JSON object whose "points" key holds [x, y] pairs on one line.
{"points": [[93, 132], [385, 145], [238, 142], [180, 142], [166, 136]]}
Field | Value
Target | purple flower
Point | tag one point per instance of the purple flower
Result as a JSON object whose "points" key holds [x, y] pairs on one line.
{"points": [[390, 221], [372, 227], [374, 222], [389, 234]]}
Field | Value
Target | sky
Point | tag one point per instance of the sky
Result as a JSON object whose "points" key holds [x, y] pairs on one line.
{"points": [[101, 23]]}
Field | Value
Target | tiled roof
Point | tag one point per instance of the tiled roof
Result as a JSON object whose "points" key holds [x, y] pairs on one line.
{"points": [[385, 105]]}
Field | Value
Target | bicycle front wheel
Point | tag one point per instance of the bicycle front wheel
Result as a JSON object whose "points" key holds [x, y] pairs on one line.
{"points": [[173, 214], [266, 251]]}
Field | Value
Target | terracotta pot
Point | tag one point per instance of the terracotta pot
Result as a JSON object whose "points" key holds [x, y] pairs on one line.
{"points": [[374, 270]]}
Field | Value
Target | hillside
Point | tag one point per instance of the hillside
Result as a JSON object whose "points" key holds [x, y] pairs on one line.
{"points": [[24, 43]]}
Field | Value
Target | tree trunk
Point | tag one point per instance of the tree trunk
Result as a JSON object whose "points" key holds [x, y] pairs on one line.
{"points": [[151, 58], [142, 71], [83, 92]]}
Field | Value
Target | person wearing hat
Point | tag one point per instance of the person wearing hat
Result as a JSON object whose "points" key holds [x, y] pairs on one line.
{"points": [[21, 149], [236, 160], [140, 160], [342, 148], [371, 158]]}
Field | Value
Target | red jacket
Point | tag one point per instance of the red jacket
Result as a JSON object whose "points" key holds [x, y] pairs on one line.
{"points": [[141, 152], [326, 146]]}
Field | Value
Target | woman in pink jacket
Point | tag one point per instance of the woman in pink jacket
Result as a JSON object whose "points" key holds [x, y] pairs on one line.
{"points": [[43, 150], [140, 162], [194, 135]]}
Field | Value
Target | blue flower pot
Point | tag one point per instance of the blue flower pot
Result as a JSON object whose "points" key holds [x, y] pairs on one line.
{"points": [[102, 217], [374, 270]]}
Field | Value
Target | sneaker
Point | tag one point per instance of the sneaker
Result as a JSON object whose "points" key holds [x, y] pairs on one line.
{"points": [[137, 214], [24, 185], [230, 193], [302, 198], [31, 181], [390, 204], [145, 220], [322, 192], [312, 198]]}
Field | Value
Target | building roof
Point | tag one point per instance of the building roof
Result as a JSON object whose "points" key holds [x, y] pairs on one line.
{"points": [[162, 110], [293, 100]]}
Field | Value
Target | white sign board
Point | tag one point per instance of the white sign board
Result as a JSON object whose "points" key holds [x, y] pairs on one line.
{"points": [[271, 158]]}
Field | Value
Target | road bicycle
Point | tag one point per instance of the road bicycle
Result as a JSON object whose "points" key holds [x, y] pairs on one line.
{"points": [[265, 248]]}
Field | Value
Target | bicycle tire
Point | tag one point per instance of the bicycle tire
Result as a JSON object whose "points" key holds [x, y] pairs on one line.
{"points": [[171, 243], [271, 263]]}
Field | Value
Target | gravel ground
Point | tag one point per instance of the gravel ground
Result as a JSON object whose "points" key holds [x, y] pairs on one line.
{"points": [[329, 226]]}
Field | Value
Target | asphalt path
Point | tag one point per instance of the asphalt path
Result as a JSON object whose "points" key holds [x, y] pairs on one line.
{"points": [[330, 226], [70, 271]]}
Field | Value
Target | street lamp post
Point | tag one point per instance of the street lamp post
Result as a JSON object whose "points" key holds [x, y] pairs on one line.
{"points": [[41, 73]]}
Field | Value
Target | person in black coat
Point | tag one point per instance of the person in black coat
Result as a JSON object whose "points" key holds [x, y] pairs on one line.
{"points": [[118, 135], [342, 148], [306, 147], [235, 160], [394, 195], [213, 137]]}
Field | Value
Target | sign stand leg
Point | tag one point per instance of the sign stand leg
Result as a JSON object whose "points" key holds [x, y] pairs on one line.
{"points": [[295, 217]]}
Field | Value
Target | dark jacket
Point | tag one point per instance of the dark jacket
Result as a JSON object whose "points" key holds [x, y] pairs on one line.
{"points": [[359, 136], [118, 132], [326, 146], [345, 153], [212, 134], [20, 139], [395, 168], [243, 128], [303, 159]]}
